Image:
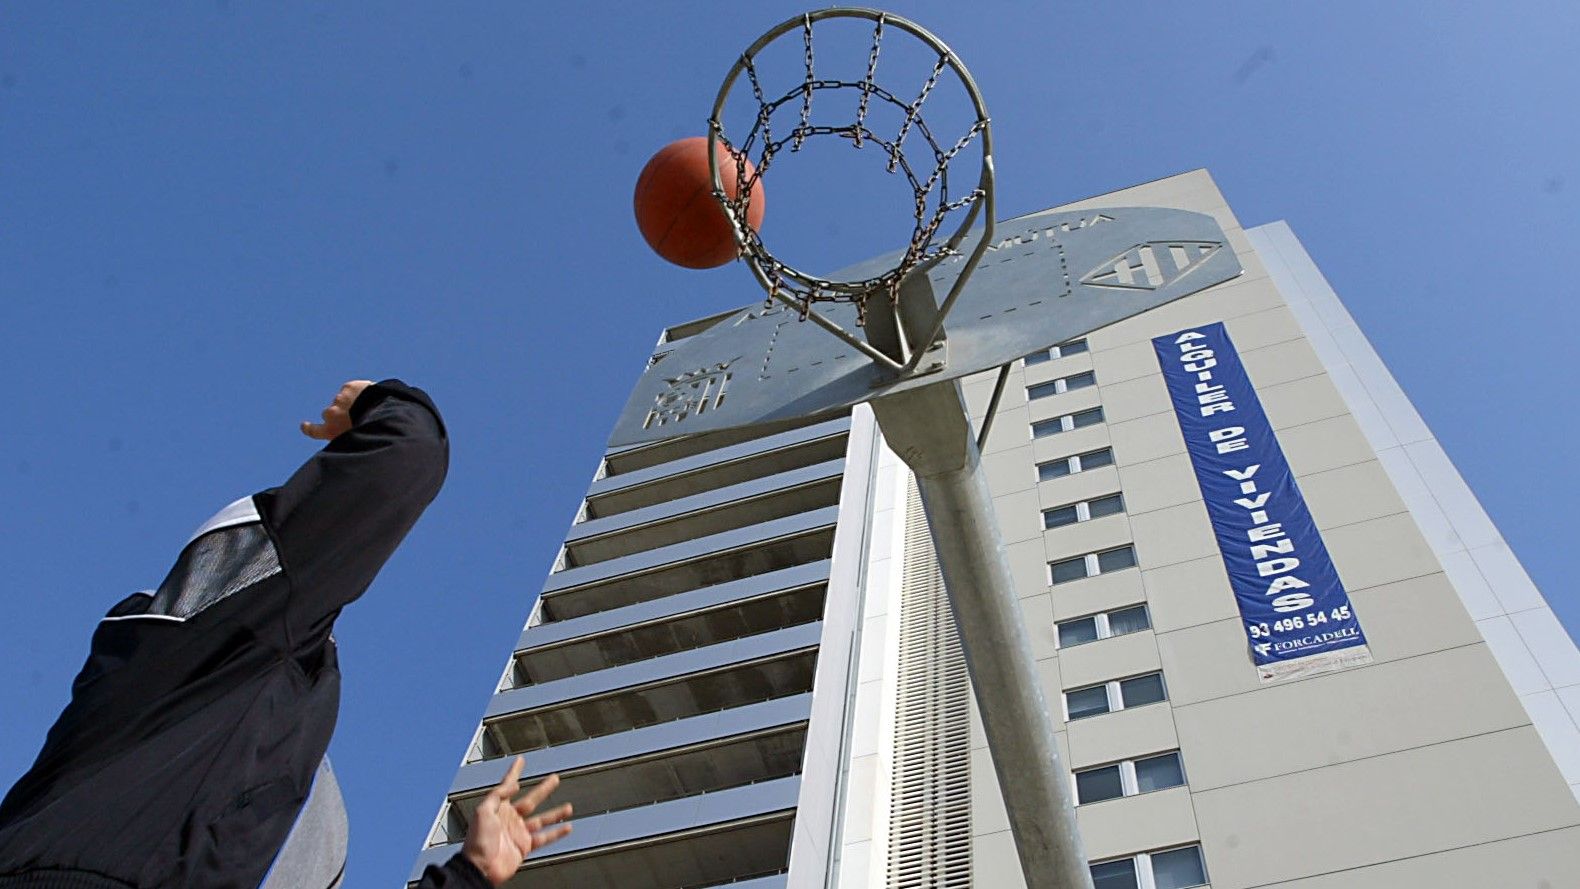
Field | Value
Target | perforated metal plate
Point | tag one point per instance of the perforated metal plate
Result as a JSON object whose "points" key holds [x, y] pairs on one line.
{"points": [[1049, 278]]}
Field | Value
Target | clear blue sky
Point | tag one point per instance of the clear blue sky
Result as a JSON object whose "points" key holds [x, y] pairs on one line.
{"points": [[213, 213]]}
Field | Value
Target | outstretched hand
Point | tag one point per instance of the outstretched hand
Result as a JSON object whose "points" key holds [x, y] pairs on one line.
{"points": [[503, 832], [337, 417]]}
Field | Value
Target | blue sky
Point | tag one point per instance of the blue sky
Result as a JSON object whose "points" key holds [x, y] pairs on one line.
{"points": [[211, 214]]}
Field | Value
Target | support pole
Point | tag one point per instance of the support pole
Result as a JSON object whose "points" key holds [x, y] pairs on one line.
{"points": [[929, 430]]}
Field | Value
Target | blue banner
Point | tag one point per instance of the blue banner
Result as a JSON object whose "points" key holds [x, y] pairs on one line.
{"points": [[1296, 613]]}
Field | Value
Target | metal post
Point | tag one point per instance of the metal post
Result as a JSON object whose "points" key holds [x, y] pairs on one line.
{"points": [[929, 430]]}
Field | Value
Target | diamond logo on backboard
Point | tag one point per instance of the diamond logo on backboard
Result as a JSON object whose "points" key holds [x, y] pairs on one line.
{"points": [[1151, 265], [689, 394]]}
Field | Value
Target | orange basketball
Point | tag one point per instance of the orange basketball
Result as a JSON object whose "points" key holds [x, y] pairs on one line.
{"points": [[676, 211]]}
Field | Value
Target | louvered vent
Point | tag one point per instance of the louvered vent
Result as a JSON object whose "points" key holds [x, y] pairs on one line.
{"points": [[930, 819]]}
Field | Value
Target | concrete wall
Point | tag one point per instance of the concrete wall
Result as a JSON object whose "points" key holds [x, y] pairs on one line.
{"points": [[1416, 770]]}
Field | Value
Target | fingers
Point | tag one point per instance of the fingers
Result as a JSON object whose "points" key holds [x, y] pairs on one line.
{"points": [[535, 797], [552, 835], [509, 785], [337, 416], [553, 816]]}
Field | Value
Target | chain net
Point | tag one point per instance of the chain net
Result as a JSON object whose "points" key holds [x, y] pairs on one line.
{"points": [[927, 174]]}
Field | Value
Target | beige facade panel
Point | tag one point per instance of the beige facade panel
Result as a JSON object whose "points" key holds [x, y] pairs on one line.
{"points": [[1548, 860], [1059, 405], [1339, 717], [994, 862], [1080, 486], [1414, 616], [1324, 444], [1160, 483], [1188, 593], [1350, 494], [1011, 429], [1280, 362], [1084, 537], [1132, 824], [1416, 802], [1038, 614], [1124, 363], [1147, 438], [1011, 470], [1301, 401], [1028, 565], [1102, 593], [1379, 551], [1127, 733], [1140, 397], [1404, 619], [1173, 534], [1232, 302], [1106, 659], [1019, 515], [1051, 370], [988, 814]]}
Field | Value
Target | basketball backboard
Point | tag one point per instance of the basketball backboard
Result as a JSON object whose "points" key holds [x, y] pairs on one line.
{"points": [[1047, 278]]}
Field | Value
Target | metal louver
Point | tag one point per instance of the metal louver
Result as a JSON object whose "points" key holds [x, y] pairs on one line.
{"points": [[930, 793]]}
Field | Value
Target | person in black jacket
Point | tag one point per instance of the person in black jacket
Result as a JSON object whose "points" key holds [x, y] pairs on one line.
{"points": [[192, 752]]}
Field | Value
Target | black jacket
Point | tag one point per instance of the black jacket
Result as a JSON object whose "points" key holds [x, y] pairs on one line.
{"points": [[204, 709]]}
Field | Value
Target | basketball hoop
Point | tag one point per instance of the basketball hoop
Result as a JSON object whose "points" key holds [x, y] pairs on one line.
{"points": [[917, 323]]}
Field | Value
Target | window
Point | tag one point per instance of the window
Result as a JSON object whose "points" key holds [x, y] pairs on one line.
{"points": [[1168, 869], [1116, 559], [1115, 875], [1120, 694], [1061, 385], [1128, 620], [1091, 565], [1178, 868], [1084, 702], [1073, 347], [1071, 465], [1096, 785], [1129, 777], [1103, 626], [1159, 772], [1064, 515], [1088, 417], [1142, 690], [1083, 511]]}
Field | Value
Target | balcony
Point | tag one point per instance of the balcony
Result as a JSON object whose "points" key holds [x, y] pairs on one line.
{"points": [[690, 565], [660, 776], [705, 514], [619, 462], [718, 469], [685, 631], [710, 840], [475, 777], [510, 728]]}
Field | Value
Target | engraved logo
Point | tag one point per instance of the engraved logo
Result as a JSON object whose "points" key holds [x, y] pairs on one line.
{"points": [[691, 393], [1151, 265]]}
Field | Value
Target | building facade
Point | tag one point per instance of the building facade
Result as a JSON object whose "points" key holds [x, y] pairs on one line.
{"points": [[744, 668]]}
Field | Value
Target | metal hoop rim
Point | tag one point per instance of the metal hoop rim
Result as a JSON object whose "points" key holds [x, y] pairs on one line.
{"points": [[864, 288]]}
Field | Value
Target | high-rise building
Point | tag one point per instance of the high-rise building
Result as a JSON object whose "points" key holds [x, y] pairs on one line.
{"points": [[743, 663]]}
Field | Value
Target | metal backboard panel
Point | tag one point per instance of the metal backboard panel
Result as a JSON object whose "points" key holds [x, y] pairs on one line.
{"points": [[1050, 277]]}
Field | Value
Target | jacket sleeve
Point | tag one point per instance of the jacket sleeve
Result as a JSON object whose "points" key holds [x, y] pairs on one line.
{"points": [[457, 873], [342, 514]]}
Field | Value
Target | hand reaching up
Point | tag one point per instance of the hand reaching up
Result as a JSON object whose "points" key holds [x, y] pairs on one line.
{"points": [[337, 417], [504, 832]]}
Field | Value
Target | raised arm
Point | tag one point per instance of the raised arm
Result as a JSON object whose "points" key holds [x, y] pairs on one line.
{"points": [[343, 513]]}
